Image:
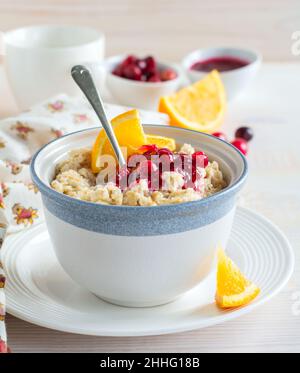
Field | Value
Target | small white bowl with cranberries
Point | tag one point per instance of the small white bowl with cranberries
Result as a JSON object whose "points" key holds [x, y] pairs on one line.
{"points": [[140, 82]]}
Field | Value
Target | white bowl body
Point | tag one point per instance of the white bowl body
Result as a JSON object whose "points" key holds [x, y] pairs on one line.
{"points": [[139, 256], [138, 271], [235, 81]]}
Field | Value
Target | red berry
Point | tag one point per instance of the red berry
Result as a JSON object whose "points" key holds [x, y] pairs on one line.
{"points": [[149, 171], [3, 347], [165, 151], [129, 60], [241, 145], [142, 64], [220, 135], [245, 133], [154, 78], [168, 74], [201, 158], [149, 149], [166, 159], [132, 72], [150, 65], [118, 70]]}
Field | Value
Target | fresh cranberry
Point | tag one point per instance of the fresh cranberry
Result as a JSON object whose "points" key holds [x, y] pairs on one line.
{"points": [[129, 60], [220, 135], [155, 78], [245, 133], [166, 151], [132, 72], [153, 149], [150, 65], [202, 159], [3, 347], [165, 160], [118, 70], [168, 74], [241, 145], [142, 64]]}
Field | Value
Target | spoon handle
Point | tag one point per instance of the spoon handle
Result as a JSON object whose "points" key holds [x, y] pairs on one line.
{"points": [[83, 78]]}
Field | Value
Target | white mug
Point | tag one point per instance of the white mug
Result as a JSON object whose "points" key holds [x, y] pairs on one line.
{"points": [[39, 59]]}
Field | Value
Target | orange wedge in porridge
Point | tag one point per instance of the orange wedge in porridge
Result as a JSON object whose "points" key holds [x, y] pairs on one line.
{"points": [[200, 106], [162, 142], [130, 135], [233, 288]]}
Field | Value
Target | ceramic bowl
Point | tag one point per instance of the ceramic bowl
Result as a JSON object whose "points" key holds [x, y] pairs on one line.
{"points": [[144, 95], [139, 256], [235, 81], [45, 54]]}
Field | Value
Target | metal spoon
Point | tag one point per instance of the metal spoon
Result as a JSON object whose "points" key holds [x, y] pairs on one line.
{"points": [[83, 78]]}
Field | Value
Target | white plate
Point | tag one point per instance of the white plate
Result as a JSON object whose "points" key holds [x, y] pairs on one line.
{"points": [[39, 291]]}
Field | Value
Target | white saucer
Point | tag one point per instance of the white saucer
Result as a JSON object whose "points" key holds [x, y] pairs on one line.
{"points": [[39, 291]]}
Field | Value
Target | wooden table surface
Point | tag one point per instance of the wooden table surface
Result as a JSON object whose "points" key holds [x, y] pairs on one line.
{"points": [[271, 106]]}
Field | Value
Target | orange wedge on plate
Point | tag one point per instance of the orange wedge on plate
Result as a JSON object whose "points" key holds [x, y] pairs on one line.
{"points": [[233, 288], [200, 106]]}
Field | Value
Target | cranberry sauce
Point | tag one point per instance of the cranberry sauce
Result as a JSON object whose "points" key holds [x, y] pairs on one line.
{"points": [[225, 63]]}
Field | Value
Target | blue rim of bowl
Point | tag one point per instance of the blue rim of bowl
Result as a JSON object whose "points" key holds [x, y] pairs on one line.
{"points": [[44, 188]]}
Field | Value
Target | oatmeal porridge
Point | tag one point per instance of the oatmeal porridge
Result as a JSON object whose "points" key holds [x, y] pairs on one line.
{"points": [[196, 178]]}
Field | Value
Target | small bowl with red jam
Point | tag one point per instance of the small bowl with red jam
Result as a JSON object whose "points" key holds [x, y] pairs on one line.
{"points": [[236, 66], [140, 82]]}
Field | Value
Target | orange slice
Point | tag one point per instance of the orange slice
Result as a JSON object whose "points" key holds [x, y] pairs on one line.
{"points": [[129, 133], [233, 288], [161, 142], [200, 106]]}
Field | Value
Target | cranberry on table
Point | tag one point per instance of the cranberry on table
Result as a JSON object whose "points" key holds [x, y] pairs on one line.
{"points": [[241, 145], [245, 133], [220, 135]]}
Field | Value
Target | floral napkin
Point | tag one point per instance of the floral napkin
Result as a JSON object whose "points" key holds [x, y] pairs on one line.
{"points": [[20, 138]]}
